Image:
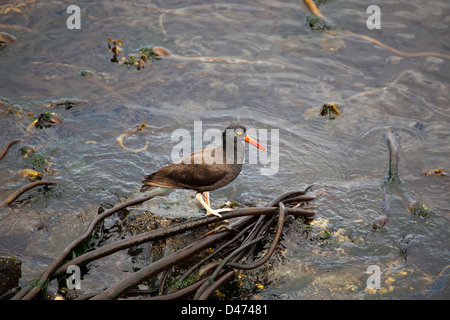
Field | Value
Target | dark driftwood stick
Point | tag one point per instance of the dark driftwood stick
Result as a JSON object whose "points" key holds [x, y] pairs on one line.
{"points": [[27, 294], [223, 262], [188, 290], [23, 189], [166, 232], [220, 280], [299, 198], [285, 198], [179, 294], [6, 147], [207, 291], [269, 253], [183, 254], [258, 229], [215, 252], [166, 262]]}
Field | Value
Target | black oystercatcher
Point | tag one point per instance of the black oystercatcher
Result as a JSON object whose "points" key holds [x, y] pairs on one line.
{"points": [[207, 169]]}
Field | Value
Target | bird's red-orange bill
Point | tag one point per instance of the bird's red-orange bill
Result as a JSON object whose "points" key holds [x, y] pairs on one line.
{"points": [[253, 142]]}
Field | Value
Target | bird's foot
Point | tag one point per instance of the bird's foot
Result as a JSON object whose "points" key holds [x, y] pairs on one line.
{"points": [[216, 212]]}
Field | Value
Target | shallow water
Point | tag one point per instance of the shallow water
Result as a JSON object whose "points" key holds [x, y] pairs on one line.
{"points": [[299, 70]]}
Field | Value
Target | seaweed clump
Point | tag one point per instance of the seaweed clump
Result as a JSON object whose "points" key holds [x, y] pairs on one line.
{"points": [[331, 110], [420, 210], [145, 56], [317, 23], [47, 119]]}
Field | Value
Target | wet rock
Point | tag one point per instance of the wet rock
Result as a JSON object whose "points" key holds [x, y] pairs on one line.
{"points": [[10, 272]]}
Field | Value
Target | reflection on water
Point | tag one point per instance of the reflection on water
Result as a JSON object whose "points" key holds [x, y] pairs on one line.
{"points": [[345, 158]]}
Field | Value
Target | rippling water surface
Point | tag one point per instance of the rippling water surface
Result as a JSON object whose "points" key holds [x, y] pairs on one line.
{"points": [[293, 71]]}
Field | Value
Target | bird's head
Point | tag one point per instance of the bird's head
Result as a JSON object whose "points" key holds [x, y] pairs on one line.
{"points": [[236, 130]]}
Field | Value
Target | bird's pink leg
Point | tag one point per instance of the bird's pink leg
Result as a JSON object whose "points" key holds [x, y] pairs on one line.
{"points": [[209, 210], [206, 197]]}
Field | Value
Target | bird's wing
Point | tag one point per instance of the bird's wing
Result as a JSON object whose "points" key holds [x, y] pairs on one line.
{"points": [[185, 176], [191, 173], [196, 175]]}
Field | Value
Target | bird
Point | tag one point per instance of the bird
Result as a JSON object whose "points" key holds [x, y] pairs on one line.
{"points": [[207, 169]]}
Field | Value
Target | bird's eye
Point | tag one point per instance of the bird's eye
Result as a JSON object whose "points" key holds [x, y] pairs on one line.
{"points": [[239, 132]]}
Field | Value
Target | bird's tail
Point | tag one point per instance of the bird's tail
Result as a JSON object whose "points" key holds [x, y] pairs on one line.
{"points": [[154, 180], [147, 187], [146, 184]]}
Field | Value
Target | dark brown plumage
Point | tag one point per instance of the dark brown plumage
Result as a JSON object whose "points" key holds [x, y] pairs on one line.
{"points": [[205, 170]]}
